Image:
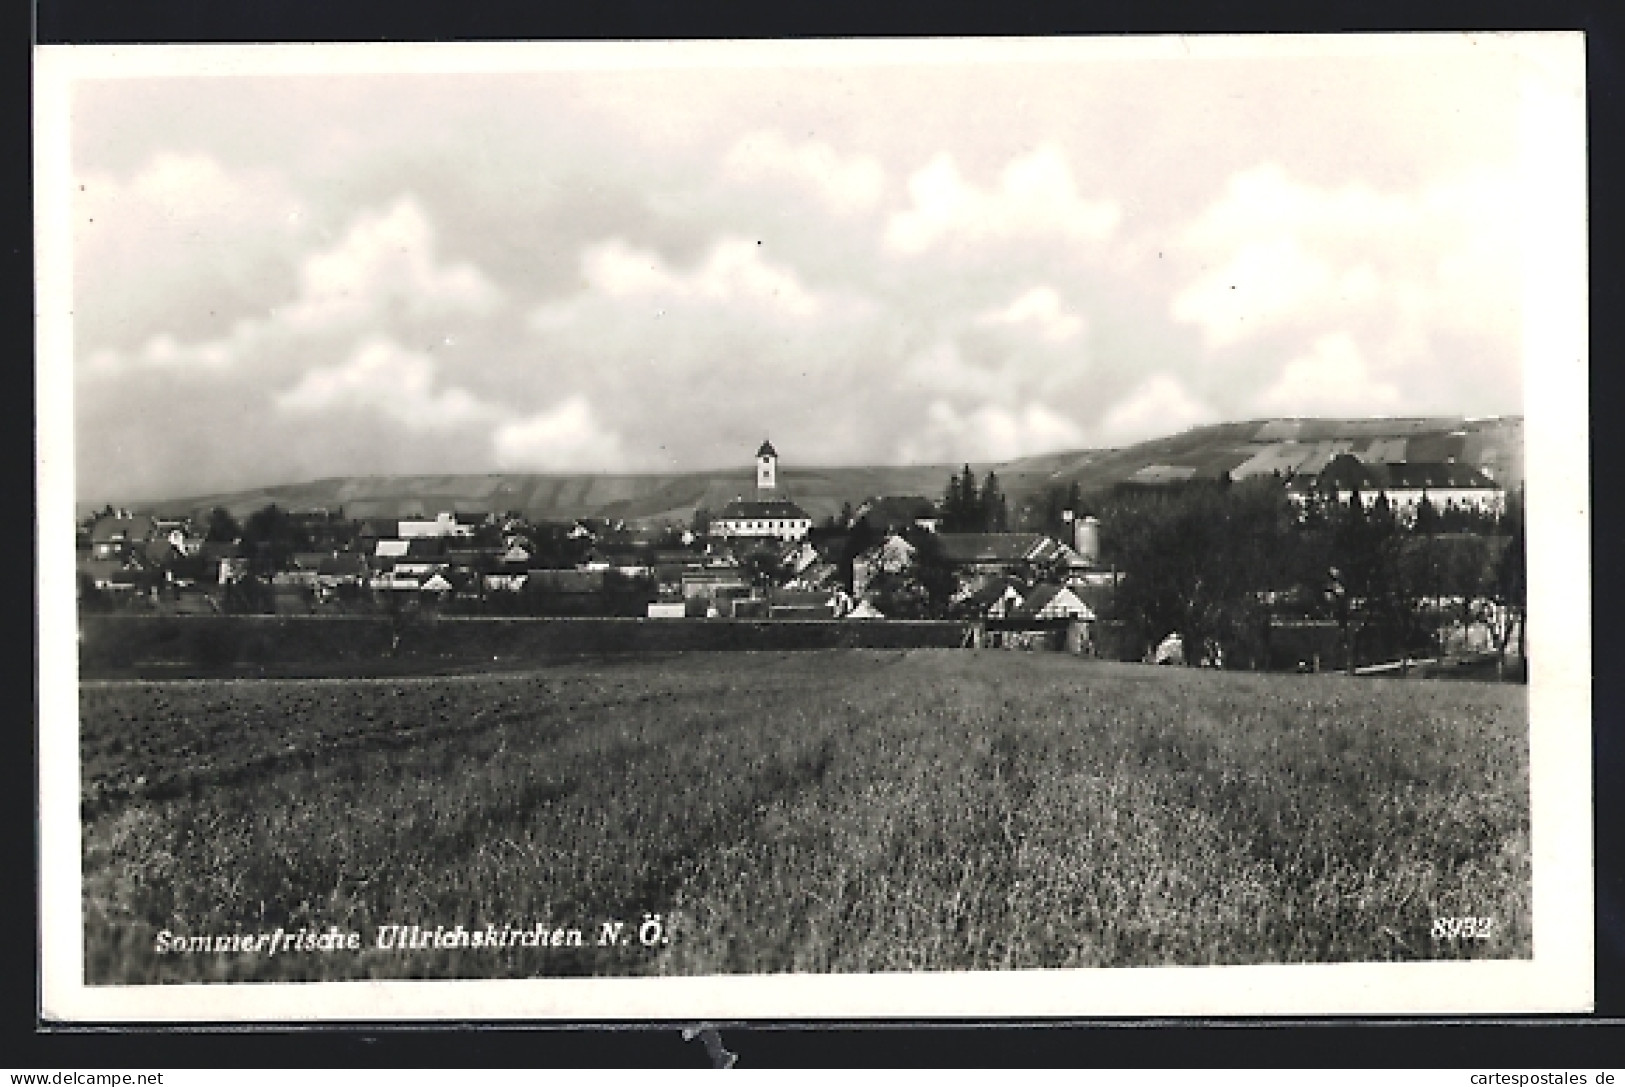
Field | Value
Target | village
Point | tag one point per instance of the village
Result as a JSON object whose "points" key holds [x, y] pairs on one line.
{"points": [[887, 558]]}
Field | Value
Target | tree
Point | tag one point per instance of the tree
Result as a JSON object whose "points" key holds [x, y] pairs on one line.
{"points": [[860, 538], [961, 504], [763, 569], [270, 537], [1511, 583], [932, 573], [702, 521], [993, 513], [223, 527]]}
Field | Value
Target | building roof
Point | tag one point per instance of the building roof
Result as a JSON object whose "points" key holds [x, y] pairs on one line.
{"points": [[713, 576], [342, 564], [891, 511], [111, 529], [1346, 473], [977, 547], [791, 598], [566, 581], [767, 450], [770, 509], [996, 590], [1056, 597]]}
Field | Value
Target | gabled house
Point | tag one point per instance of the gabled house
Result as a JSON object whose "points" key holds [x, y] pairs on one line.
{"points": [[996, 599], [784, 604], [341, 568], [766, 518], [714, 582], [998, 552], [1404, 483], [1053, 602], [893, 555], [897, 513], [444, 525], [864, 609]]}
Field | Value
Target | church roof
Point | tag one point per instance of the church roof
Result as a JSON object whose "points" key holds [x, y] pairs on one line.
{"points": [[767, 450], [773, 507]]}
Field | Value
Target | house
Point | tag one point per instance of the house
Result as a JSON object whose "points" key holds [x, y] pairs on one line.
{"points": [[117, 537], [424, 555], [865, 609], [770, 515], [797, 557], [996, 599], [770, 518], [998, 552], [1053, 602], [548, 580], [893, 555], [897, 513], [347, 568], [226, 559], [1404, 483], [444, 525], [714, 583], [782, 604], [820, 575]]}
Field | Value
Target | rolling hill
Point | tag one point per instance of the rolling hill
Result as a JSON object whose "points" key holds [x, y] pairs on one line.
{"points": [[1241, 448]]}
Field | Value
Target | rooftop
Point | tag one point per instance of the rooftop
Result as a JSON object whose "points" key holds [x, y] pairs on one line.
{"points": [[743, 509]]}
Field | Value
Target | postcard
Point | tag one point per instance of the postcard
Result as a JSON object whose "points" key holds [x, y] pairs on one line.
{"points": [[811, 530]]}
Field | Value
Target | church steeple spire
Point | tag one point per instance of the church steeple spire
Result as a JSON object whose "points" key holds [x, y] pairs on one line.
{"points": [[767, 469]]}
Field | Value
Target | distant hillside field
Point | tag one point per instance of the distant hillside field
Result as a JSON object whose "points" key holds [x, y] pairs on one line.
{"points": [[1495, 445], [850, 810]]}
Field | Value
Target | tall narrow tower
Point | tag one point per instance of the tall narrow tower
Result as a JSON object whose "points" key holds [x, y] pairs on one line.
{"points": [[767, 469]]}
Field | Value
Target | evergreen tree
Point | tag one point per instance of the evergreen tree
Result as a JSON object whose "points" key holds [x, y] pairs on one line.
{"points": [[223, 527], [991, 510]]}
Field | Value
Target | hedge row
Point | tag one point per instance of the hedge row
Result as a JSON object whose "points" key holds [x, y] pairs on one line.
{"points": [[115, 643]]}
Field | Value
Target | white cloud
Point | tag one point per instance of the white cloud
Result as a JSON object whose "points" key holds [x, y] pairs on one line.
{"points": [[1040, 310], [845, 185], [568, 437], [164, 352], [181, 200], [381, 273], [1036, 198], [386, 263], [384, 377], [733, 272], [1274, 252], [1157, 406], [1331, 378], [988, 433]]}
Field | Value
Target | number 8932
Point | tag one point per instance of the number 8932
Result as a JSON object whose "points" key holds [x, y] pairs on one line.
{"points": [[1462, 928]]}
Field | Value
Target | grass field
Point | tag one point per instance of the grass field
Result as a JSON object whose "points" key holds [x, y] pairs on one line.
{"points": [[809, 811]]}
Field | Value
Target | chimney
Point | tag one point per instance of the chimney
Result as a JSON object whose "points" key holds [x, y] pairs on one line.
{"points": [[1086, 540]]}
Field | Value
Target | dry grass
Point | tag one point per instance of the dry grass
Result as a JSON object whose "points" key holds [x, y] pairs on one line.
{"points": [[840, 811]]}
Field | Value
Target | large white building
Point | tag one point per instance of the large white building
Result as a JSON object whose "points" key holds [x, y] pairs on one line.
{"points": [[770, 515], [1405, 485]]}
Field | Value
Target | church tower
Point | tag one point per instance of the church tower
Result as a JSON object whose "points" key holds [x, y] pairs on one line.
{"points": [[767, 470]]}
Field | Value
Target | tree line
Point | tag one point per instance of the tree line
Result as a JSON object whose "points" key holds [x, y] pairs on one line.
{"points": [[1221, 562]]}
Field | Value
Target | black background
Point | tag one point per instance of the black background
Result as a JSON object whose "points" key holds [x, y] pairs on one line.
{"points": [[1575, 1043]]}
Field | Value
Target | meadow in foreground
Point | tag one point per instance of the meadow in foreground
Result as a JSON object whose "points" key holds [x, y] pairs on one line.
{"points": [[813, 811]]}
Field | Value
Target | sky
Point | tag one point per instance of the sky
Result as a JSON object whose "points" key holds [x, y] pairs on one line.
{"points": [[591, 265]]}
